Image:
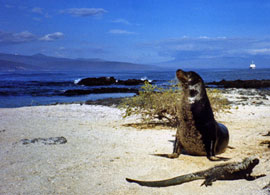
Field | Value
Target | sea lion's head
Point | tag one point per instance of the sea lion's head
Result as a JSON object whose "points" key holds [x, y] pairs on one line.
{"points": [[188, 78], [192, 84]]}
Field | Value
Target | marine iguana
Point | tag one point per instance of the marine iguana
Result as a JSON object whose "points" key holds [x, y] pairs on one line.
{"points": [[227, 171]]}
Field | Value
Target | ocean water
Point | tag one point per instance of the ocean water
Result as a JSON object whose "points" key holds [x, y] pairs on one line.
{"points": [[42, 88]]}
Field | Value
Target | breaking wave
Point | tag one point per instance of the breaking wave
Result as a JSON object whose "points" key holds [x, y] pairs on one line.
{"points": [[76, 81], [145, 78]]}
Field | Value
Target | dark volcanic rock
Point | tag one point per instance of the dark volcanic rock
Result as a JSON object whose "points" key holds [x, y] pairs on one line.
{"points": [[114, 90], [45, 141], [242, 84], [74, 92], [109, 81], [105, 102], [97, 81], [131, 82]]}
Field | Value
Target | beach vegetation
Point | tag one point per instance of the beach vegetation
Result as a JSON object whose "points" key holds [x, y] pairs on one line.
{"points": [[158, 105]]}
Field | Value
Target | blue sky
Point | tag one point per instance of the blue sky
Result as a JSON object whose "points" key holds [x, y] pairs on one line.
{"points": [[195, 33]]}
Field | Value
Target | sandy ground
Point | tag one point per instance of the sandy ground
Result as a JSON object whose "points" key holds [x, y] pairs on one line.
{"points": [[101, 152]]}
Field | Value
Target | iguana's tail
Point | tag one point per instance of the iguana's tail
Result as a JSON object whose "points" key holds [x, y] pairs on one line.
{"points": [[168, 182]]}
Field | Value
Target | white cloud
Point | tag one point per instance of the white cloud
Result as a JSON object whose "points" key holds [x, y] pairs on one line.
{"points": [[121, 32], [52, 36], [14, 38], [37, 10], [61, 48], [262, 51], [203, 47], [204, 37], [7, 38], [46, 15], [81, 52], [84, 12], [37, 19], [121, 21]]}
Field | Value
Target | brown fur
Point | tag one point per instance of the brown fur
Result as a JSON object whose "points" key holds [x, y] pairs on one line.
{"points": [[194, 144], [198, 133]]}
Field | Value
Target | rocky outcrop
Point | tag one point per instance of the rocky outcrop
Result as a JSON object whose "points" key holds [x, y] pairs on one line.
{"points": [[45, 141], [74, 92], [105, 102], [97, 81], [109, 81], [242, 84], [131, 82]]}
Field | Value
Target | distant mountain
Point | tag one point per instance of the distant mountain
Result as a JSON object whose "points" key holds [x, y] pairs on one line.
{"points": [[218, 62], [90, 59], [39, 55], [41, 62], [14, 66]]}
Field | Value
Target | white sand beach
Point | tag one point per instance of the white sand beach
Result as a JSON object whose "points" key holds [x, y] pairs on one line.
{"points": [[101, 152]]}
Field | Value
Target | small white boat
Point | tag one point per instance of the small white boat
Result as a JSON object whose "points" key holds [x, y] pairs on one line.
{"points": [[252, 65]]}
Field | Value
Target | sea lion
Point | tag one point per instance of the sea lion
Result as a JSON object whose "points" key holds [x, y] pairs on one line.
{"points": [[198, 133]]}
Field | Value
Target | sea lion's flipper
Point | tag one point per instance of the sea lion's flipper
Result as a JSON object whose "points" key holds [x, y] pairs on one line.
{"points": [[173, 155], [176, 150], [217, 158]]}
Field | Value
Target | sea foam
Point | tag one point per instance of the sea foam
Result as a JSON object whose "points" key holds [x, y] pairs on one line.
{"points": [[145, 78], [76, 81]]}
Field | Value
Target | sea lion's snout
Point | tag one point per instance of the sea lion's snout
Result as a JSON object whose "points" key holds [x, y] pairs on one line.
{"points": [[181, 75], [188, 78]]}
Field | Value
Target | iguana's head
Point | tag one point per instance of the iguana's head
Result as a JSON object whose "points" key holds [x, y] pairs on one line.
{"points": [[251, 162]]}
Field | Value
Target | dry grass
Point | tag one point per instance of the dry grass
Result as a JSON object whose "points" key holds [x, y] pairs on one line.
{"points": [[162, 105]]}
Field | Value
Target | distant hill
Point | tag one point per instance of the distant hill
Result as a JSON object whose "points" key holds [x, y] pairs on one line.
{"points": [[15, 66], [40, 62], [218, 62]]}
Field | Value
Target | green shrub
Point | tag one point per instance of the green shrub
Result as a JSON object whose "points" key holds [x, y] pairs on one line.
{"points": [[157, 104], [218, 102]]}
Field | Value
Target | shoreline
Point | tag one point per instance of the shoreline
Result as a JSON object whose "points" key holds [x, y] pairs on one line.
{"points": [[101, 151], [242, 96], [235, 96]]}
